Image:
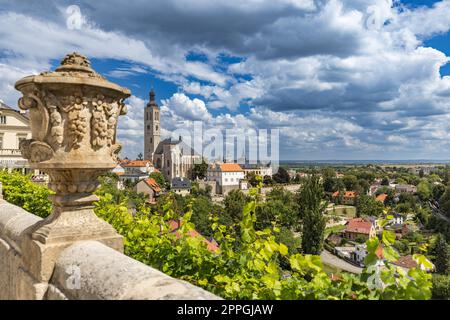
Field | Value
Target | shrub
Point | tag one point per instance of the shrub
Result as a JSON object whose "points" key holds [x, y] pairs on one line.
{"points": [[441, 286]]}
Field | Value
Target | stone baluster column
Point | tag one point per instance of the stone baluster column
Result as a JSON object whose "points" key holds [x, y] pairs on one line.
{"points": [[73, 113]]}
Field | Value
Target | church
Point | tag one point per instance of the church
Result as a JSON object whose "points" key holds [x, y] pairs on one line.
{"points": [[172, 157]]}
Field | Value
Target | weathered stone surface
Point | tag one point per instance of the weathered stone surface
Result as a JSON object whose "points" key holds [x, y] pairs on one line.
{"points": [[107, 274], [104, 273], [73, 118]]}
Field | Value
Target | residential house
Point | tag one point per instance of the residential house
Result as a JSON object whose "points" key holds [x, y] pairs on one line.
{"points": [[150, 188], [261, 170], [14, 128], [359, 227], [346, 197], [407, 262], [181, 186], [132, 171], [226, 175], [408, 188], [381, 197]]}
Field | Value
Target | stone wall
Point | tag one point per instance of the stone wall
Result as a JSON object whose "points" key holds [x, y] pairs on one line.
{"points": [[83, 270]]}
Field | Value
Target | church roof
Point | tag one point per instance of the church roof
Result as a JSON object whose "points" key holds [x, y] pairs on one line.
{"points": [[185, 149]]}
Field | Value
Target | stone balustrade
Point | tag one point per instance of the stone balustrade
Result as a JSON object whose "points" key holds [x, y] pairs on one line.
{"points": [[83, 270]]}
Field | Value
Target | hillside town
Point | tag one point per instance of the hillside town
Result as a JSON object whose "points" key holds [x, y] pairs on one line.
{"points": [[360, 202]]}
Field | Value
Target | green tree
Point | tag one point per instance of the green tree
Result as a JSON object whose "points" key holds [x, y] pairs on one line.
{"points": [[140, 156], [385, 181], [312, 210], [350, 182], [424, 190], [19, 190], [267, 180], [437, 190], [252, 179], [441, 254], [234, 203], [329, 179], [445, 201], [159, 178], [368, 206], [202, 210], [199, 170], [282, 176]]}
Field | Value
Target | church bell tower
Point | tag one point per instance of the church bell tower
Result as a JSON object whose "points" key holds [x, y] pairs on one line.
{"points": [[151, 129]]}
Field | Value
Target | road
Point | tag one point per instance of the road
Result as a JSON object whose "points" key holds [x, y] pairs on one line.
{"points": [[332, 260], [438, 212]]}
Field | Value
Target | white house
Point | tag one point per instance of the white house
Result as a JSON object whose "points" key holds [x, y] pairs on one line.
{"points": [[227, 176], [132, 170], [258, 169], [14, 127]]}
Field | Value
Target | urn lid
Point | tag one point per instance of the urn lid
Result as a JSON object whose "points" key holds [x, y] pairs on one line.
{"points": [[74, 69]]}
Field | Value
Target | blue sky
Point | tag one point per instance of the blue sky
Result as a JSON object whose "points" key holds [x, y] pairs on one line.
{"points": [[354, 79]]}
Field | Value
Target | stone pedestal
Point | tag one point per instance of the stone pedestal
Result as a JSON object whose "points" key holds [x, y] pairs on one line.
{"points": [[73, 118]]}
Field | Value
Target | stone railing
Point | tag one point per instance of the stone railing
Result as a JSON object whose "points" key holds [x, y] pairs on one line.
{"points": [[73, 254], [83, 270]]}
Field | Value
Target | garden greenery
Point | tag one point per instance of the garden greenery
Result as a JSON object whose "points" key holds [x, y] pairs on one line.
{"points": [[249, 264]]}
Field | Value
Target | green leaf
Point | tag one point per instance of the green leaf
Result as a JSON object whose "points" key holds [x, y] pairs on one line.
{"points": [[388, 237]]}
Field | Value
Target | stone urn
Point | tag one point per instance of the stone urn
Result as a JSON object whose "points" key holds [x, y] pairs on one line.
{"points": [[73, 117]]}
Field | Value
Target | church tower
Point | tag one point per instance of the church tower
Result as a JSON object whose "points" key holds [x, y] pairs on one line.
{"points": [[152, 129]]}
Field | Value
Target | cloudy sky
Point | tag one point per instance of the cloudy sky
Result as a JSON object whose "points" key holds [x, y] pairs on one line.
{"points": [[341, 79]]}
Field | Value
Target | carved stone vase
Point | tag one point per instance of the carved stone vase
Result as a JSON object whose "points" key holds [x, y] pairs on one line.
{"points": [[73, 117]]}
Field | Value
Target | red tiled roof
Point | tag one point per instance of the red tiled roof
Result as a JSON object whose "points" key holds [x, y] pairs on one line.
{"points": [[359, 225], [381, 197], [350, 194], [135, 163], [175, 225], [406, 262], [153, 184], [230, 167], [346, 194]]}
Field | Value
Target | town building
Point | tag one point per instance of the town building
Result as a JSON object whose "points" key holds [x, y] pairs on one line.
{"points": [[408, 188], [14, 128], [173, 158], [152, 129], [181, 186], [407, 262], [346, 197], [257, 169], [359, 228], [226, 175], [132, 171], [150, 188], [381, 197]]}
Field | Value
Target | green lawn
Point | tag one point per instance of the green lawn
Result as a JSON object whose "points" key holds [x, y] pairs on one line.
{"points": [[340, 210]]}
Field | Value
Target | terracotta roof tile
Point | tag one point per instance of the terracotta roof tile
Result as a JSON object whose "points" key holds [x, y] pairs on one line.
{"points": [[381, 197], [153, 184], [359, 225], [230, 167]]}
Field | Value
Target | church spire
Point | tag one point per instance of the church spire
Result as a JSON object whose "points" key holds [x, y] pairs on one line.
{"points": [[152, 101]]}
